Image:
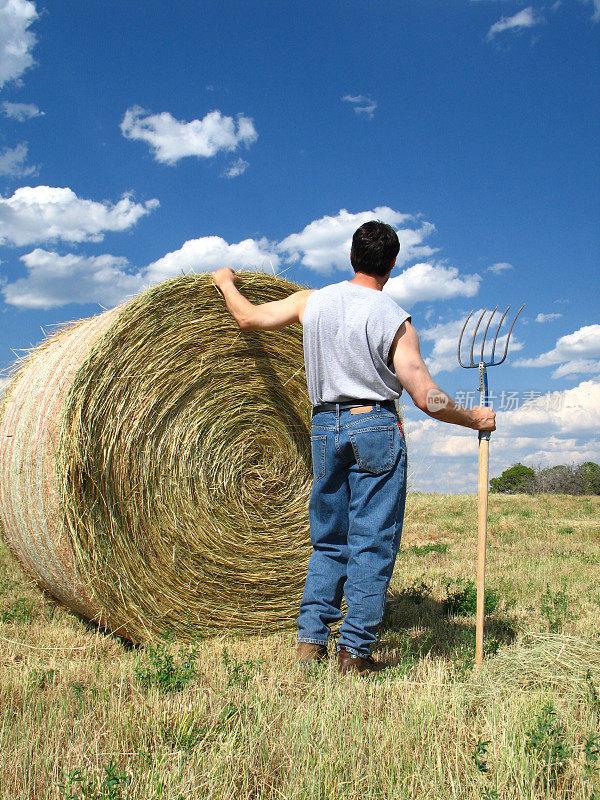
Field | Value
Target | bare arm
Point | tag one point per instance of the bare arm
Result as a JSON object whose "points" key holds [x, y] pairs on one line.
{"points": [[264, 316], [414, 376]]}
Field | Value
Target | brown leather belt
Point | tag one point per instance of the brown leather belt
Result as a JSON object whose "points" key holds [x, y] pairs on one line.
{"points": [[352, 404]]}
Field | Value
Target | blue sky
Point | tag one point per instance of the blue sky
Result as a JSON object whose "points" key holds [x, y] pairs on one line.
{"points": [[262, 134]]}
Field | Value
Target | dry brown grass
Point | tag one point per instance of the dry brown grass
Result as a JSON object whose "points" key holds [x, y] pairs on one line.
{"points": [[250, 725]]}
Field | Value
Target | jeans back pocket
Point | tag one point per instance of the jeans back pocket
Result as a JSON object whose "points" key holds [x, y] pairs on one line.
{"points": [[317, 445], [373, 447]]}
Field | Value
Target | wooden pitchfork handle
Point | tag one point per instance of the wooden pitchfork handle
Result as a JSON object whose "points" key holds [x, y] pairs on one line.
{"points": [[482, 519]]}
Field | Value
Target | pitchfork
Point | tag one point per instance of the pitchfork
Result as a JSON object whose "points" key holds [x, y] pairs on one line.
{"points": [[484, 457]]}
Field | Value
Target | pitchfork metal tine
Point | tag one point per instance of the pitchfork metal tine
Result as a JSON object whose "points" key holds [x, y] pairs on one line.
{"points": [[508, 337], [460, 339], [485, 333], [482, 361], [496, 335], [475, 334]]}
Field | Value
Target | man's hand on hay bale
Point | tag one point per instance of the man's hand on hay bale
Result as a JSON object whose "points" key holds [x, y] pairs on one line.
{"points": [[269, 316], [224, 276]]}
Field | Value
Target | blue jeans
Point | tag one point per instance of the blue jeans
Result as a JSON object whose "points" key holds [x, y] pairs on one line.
{"points": [[356, 510]]}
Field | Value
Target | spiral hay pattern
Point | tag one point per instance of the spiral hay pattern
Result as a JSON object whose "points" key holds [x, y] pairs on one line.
{"points": [[172, 465]]}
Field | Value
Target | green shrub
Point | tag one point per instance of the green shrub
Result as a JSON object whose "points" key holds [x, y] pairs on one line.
{"points": [[566, 530], [463, 601], [593, 693], [417, 593], [480, 756], [79, 786], [547, 742], [513, 479], [554, 607], [582, 479], [591, 755], [239, 673], [589, 474], [20, 611], [162, 670]]}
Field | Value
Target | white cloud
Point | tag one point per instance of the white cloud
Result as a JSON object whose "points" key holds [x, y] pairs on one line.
{"points": [[235, 169], [12, 162], [444, 335], [572, 412], [172, 139], [56, 280], [20, 111], [500, 267], [16, 41], [547, 317], [324, 244], [578, 366], [324, 241], [53, 280], [44, 213], [596, 12], [363, 104], [556, 428], [526, 18], [430, 282], [36, 215], [212, 252], [576, 353]]}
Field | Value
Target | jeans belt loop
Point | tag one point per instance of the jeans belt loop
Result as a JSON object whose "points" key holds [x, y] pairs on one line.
{"points": [[378, 406]]}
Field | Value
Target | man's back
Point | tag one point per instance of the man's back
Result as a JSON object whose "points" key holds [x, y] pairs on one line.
{"points": [[351, 330], [348, 330]]}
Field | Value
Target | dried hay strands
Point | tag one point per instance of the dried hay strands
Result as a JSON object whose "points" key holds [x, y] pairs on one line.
{"points": [[546, 660], [155, 464]]}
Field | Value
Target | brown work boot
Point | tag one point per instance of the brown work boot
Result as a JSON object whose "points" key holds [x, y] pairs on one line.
{"points": [[363, 665], [307, 652]]}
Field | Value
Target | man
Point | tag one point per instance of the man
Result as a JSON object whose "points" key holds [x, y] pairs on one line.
{"points": [[360, 351]]}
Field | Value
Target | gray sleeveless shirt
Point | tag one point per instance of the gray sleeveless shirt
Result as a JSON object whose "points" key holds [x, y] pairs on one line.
{"points": [[347, 332]]}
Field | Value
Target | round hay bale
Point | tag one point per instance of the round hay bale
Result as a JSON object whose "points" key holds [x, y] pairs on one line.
{"points": [[155, 464]]}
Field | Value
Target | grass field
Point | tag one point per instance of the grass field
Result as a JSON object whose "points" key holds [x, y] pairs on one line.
{"points": [[82, 715]]}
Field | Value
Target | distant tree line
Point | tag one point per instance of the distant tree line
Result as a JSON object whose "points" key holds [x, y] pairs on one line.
{"points": [[562, 479]]}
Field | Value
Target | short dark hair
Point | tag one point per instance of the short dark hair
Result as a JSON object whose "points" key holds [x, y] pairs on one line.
{"points": [[375, 245]]}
